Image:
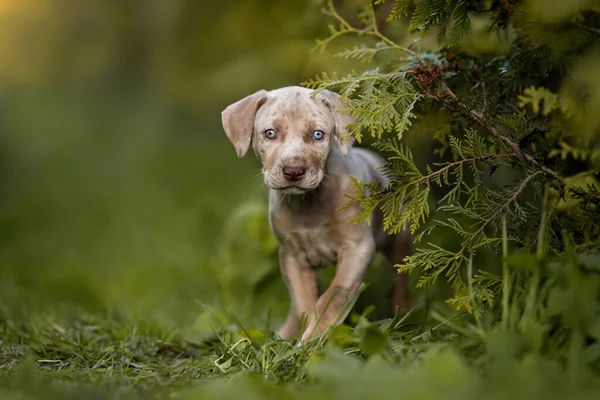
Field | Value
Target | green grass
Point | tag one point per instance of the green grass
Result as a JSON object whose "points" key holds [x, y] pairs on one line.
{"points": [[102, 351], [104, 356], [122, 357], [547, 346], [221, 343]]}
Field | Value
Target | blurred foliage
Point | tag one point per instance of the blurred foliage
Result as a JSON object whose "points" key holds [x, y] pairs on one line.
{"points": [[508, 119], [115, 179]]}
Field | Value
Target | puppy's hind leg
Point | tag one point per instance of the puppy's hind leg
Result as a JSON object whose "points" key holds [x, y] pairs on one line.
{"points": [[400, 247]]}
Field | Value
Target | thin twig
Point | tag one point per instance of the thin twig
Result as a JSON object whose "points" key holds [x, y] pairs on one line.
{"points": [[374, 31], [506, 277], [454, 164], [483, 108], [588, 28], [472, 298]]}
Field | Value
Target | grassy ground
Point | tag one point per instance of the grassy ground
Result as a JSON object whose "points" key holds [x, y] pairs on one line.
{"points": [[109, 355]]}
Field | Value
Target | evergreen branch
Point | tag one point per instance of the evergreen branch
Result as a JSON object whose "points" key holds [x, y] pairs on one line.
{"points": [[457, 163], [399, 9], [482, 129], [370, 31], [498, 212], [377, 33], [324, 81], [362, 53], [481, 120], [333, 35]]}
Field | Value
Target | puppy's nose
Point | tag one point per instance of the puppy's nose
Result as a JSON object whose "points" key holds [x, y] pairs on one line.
{"points": [[293, 173]]}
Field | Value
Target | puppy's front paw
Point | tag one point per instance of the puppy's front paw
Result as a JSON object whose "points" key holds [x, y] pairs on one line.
{"points": [[319, 323], [289, 328], [312, 330]]}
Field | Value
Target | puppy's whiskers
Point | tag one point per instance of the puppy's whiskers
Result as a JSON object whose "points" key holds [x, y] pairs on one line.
{"points": [[330, 171], [259, 176], [327, 178]]}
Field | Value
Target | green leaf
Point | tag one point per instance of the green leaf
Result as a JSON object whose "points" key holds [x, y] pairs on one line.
{"points": [[372, 340]]}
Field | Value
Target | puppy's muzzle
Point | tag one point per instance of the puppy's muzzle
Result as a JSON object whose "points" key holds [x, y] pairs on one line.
{"points": [[294, 173]]}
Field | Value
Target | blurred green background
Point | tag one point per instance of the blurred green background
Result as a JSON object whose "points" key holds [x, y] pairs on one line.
{"points": [[120, 192], [119, 189]]}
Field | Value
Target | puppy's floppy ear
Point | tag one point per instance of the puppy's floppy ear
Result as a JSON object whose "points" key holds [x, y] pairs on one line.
{"points": [[342, 120], [238, 120]]}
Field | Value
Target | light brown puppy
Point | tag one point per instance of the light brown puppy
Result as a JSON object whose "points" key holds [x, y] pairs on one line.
{"points": [[307, 168]]}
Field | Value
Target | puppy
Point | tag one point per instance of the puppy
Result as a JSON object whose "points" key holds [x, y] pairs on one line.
{"points": [[307, 166]]}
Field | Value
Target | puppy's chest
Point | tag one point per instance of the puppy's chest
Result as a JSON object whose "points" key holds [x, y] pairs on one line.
{"points": [[314, 246]]}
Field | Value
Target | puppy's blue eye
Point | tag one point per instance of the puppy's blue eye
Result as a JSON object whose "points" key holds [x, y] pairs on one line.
{"points": [[318, 135], [270, 134]]}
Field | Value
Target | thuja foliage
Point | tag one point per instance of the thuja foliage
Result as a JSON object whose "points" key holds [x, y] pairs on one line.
{"points": [[516, 130], [506, 208]]}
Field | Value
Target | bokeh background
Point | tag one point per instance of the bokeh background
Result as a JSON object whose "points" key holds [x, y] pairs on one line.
{"points": [[119, 191]]}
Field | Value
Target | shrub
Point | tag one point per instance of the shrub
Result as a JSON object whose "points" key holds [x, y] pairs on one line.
{"points": [[516, 132], [505, 94]]}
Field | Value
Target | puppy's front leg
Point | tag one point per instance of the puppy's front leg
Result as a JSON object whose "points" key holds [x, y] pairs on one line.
{"points": [[350, 272], [301, 281]]}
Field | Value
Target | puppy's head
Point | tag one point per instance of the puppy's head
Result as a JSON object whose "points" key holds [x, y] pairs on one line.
{"points": [[291, 132]]}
